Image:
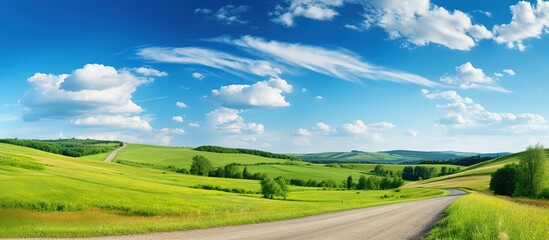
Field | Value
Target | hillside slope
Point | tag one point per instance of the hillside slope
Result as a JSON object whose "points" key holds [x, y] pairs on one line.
{"points": [[476, 177], [50, 195]]}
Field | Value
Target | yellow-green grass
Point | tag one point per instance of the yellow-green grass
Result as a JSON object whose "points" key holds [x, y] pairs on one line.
{"points": [[182, 157], [483, 217], [477, 177], [79, 197], [98, 157], [316, 172]]}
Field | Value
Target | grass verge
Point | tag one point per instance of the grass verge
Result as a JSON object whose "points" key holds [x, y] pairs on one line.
{"points": [[479, 216]]}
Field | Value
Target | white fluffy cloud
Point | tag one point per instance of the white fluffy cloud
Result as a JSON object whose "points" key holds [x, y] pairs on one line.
{"points": [[312, 9], [210, 58], [175, 131], [358, 127], [325, 128], [420, 22], [510, 72], [469, 77], [194, 124], [228, 120], [177, 119], [114, 121], [339, 64], [412, 133], [319, 97], [95, 89], [181, 105], [302, 132], [150, 72], [528, 22], [267, 93], [464, 113], [198, 75], [228, 15]]}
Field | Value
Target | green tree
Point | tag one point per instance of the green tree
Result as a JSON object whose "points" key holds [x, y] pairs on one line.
{"points": [[361, 183], [232, 171], [271, 187], [504, 180], [283, 187], [200, 166], [349, 182], [531, 168]]}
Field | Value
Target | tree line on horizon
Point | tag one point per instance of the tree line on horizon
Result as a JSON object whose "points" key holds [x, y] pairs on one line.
{"points": [[218, 149]]}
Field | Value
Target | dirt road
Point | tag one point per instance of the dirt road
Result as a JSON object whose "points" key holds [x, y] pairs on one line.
{"points": [[112, 155], [407, 220]]}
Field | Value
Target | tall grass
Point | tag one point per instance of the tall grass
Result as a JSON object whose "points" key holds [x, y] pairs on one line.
{"points": [[478, 216]]}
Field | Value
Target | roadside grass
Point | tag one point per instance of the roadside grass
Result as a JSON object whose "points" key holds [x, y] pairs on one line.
{"points": [[479, 216], [79, 197]]}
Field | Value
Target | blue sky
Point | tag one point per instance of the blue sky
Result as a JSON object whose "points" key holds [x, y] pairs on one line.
{"points": [[284, 76]]}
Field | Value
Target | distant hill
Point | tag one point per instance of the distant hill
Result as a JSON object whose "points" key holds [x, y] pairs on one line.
{"points": [[392, 157]]}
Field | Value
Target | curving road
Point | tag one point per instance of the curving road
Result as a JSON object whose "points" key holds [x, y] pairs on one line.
{"points": [[112, 155], [408, 220]]}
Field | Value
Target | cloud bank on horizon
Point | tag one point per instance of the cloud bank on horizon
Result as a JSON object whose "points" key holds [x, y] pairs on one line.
{"points": [[292, 76]]}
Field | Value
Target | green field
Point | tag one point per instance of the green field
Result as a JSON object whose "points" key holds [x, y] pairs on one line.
{"points": [[182, 157], [48, 195]]}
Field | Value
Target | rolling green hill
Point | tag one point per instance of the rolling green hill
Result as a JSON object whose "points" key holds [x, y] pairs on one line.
{"points": [[389, 157], [182, 157], [476, 177], [50, 195]]}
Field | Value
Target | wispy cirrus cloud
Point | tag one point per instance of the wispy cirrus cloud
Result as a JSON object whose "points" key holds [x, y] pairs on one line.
{"points": [[271, 57], [210, 58], [341, 64]]}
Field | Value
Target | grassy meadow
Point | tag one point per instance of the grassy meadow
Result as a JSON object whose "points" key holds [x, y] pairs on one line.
{"points": [[479, 216], [48, 195], [182, 157]]}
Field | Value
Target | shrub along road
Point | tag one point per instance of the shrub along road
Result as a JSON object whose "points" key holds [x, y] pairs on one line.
{"points": [[408, 220]]}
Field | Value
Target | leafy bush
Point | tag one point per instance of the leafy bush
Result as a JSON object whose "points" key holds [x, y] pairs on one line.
{"points": [[504, 180]]}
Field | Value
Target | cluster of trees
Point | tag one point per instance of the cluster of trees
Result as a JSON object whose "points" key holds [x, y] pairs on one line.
{"points": [[422, 173], [67, 147], [374, 183], [414, 173], [314, 183], [203, 167], [274, 187], [468, 161], [524, 179], [218, 149]]}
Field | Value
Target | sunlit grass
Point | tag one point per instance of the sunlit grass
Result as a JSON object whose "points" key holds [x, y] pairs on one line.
{"points": [[479, 216], [79, 197]]}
